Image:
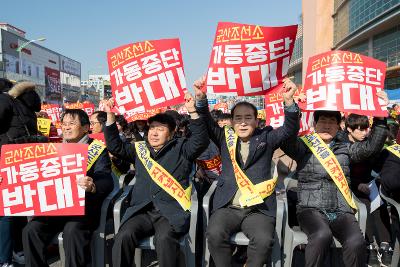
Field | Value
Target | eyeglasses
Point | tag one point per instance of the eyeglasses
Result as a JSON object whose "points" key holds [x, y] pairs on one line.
{"points": [[71, 124], [94, 122]]}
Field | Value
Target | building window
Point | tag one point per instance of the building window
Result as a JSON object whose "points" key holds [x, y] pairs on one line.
{"points": [[363, 11], [387, 47], [361, 48]]}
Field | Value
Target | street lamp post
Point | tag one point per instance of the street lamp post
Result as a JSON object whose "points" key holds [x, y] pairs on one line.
{"points": [[22, 46]]}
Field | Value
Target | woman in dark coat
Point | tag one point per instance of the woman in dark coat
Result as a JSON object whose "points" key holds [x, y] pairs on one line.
{"points": [[18, 104]]}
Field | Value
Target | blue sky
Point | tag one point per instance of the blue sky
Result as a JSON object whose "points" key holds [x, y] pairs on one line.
{"points": [[84, 30]]}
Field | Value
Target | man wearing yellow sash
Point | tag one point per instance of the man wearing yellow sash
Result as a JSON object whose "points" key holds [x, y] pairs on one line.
{"points": [[160, 199], [77, 230], [244, 199], [325, 203]]}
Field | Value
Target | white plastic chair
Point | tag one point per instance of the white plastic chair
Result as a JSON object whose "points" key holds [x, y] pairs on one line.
{"points": [[240, 238], [187, 242]]}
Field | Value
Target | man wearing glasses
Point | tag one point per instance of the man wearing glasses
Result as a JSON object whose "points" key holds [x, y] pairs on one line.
{"points": [[97, 121], [77, 230]]}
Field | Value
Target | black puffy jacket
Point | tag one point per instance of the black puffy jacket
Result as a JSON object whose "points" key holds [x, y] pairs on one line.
{"points": [[17, 110], [316, 188]]}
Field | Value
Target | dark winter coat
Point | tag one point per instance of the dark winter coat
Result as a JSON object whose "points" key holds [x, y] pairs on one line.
{"points": [[176, 156], [316, 187], [257, 167]]}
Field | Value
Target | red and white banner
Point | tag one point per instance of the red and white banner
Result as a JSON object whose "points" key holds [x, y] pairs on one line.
{"points": [[345, 81], [41, 179], [222, 106], [183, 110], [143, 116], [248, 60], [98, 136], [147, 75], [53, 110], [53, 84], [85, 106], [213, 165], [275, 115]]}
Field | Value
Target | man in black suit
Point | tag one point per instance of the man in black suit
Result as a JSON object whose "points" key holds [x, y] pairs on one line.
{"points": [[244, 199], [77, 230], [160, 199]]}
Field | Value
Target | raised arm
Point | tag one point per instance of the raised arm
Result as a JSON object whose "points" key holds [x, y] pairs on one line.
{"points": [[291, 125], [370, 147], [199, 140], [114, 143], [215, 132]]}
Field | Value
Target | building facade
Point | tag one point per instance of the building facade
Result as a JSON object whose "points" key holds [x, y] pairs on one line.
{"points": [[101, 83], [368, 27], [56, 76]]}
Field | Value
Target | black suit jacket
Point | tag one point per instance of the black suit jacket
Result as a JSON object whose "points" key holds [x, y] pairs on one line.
{"points": [[176, 157], [258, 165], [100, 172]]}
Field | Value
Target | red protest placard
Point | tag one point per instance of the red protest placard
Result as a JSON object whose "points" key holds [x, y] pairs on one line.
{"points": [[248, 60], [147, 75], [53, 110], [85, 106], [345, 81], [183, 110], [98, 136], [41, 179], [143, 116], [222, 106], [275, 116]]}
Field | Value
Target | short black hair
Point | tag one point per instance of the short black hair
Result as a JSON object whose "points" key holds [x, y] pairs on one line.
{"points": [[224, 116], [163, 118], [121, 121], [245, 104], [215, 113], [82, 116], [327, 113], [356, 121], [101, 117], [174, 114]]}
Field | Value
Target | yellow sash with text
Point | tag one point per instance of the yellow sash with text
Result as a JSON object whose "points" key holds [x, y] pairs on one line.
{"points": [[250, 194], [330, 163], [162, 177], [94, 151], [395, 149]]}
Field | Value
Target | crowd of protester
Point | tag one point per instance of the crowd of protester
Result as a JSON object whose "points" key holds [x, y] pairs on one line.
{"points": [[240, 147]]}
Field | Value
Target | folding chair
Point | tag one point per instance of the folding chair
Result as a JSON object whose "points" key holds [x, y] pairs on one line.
{"points": [[396, 249], [294, 236], [240, 238], [98, 242], [187, 243]]}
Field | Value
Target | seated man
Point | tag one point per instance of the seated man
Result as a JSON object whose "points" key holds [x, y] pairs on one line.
{"points": [[323, 209], [77, 229], [160, 199], [245, 199]]}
